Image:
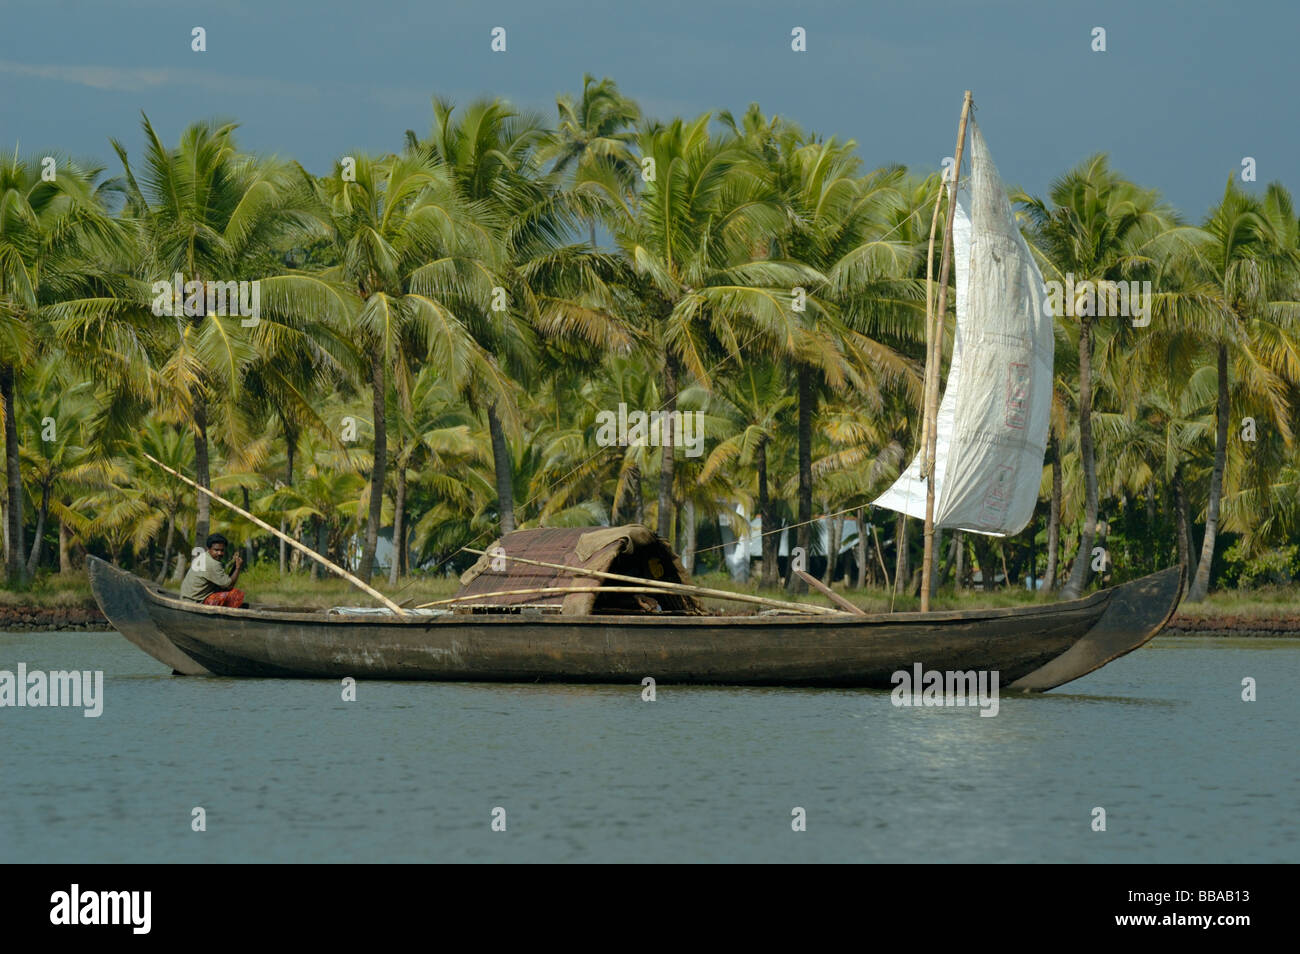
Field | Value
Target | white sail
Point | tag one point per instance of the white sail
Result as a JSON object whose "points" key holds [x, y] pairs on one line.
{"points": [[907, 495], [992, 423]]}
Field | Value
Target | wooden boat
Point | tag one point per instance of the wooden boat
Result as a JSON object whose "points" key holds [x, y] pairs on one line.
{"points": [[978, 471], [1033, 648]]}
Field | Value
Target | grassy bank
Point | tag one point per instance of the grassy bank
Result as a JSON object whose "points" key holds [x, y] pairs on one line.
{"points": [[265, 587], [263, 584], [1265, 602]]}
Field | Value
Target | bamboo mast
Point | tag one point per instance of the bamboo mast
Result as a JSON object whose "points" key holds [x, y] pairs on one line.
{"points": [[934, 354], [332, 567], [931, 371]]}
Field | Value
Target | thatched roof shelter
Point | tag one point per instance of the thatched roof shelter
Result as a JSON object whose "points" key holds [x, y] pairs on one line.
{"points": [[632, 550]]}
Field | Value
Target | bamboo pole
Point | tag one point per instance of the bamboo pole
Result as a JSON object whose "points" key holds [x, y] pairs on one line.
{"points": [[689, 590], [931, 369], [549, 590], [830, 594], [933, 358], [332, 567]]}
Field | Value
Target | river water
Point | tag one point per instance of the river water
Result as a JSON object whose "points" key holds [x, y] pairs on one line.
{"points": [[286, 770]]}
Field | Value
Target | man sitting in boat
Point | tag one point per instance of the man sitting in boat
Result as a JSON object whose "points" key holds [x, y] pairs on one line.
{"points": [[207, 583]]}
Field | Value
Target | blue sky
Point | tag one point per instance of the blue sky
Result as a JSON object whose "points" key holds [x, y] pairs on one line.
{"points": [[1184, 91]]}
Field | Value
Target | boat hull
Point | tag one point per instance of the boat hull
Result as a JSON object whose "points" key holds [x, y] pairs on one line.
{"points": [[121, 599], [1034, 648]]}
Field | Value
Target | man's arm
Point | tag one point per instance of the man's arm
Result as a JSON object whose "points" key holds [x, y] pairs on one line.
{"points": [[239, 565]]}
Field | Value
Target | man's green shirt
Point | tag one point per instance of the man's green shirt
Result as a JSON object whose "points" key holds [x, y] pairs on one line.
{"points": [[204, 578]]}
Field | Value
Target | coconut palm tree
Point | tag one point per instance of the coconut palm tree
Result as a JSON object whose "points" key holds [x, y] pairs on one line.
{"points": [[1252, 257], [52, 224], [431, 437], [55, 452], [691, 240], [1151, 436], [394, 221], [1099, 228], [853, 235], [325, 498], [208, 213], [523, 279], [865, 239], [756, 401], [594, 137], [169, 497]]}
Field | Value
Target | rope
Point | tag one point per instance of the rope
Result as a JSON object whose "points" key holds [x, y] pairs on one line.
{"points": [[794, 526]]}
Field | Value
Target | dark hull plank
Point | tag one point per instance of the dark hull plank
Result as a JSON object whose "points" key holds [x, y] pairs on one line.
{"points": [[120, 596], [1032, 648]]}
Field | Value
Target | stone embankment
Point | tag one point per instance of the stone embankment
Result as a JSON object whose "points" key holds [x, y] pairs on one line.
{"points": [[1190, 625], [20, 619]]}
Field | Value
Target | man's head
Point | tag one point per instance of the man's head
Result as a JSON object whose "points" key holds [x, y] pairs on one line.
{"points": [[216, 545]]}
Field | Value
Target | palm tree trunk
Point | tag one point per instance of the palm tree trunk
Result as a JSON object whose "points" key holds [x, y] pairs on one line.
{"points": [[183, 554], [1184, 518], [638, 502], [984, 554], [504, 471], [248, 543], [769, 542], [1031, 534], [959, 561], [900, 554], [167, 548], [1201, 582], [290, 440], [322, 542], [35, 560], [404, 568], [377, 472], [1150, 547], [1054, 519], [945, 569], [833, 545], [688, 535], [14, 565], [399, 527], [202, 471], [936, 550], [65, 549], [804, 533], [1079, 573], [860, 549], [667, 455]]}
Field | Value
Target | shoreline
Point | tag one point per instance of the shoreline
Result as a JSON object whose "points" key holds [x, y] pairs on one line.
{"points": [[25, 619], [1262, 626]]}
